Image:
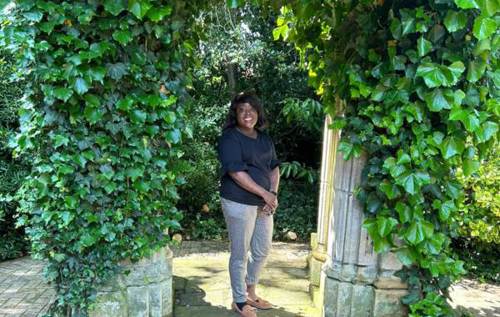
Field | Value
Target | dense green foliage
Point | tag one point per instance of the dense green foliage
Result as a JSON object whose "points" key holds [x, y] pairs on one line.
{"points": [[479, 220], [102, 123], [12, 171], [419, 85], [236, 52]]}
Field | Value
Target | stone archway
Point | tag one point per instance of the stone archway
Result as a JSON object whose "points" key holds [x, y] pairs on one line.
{"points": [[347, 277]]}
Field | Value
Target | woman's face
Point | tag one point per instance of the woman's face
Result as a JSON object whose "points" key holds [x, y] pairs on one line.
{"points": [[246, 116]]}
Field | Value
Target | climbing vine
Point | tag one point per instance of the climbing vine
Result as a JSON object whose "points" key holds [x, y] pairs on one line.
{"points": [[102, 121], [415, 85]]}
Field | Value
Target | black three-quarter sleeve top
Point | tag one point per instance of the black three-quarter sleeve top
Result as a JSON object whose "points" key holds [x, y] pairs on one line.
{"points": [[238, 152]]}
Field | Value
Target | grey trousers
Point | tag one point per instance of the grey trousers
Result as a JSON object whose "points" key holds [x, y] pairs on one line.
{"points": [[249, 230]]}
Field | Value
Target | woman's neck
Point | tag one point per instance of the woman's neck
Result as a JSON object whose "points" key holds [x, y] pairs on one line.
{"points": [[250, 132]]}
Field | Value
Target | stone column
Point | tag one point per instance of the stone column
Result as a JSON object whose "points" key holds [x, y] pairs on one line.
{"points": [[145, 292], [319, 239], [356, 281]]}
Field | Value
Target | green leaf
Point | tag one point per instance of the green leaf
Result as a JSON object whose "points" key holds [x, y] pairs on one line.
{"points": [[432, 75], [385, 225], [452, 146], [456, 69], [133, 173], [455, 21], [470, 166], [125, 104], [436, 100], [405, 256], [486, 131], [122, 36], [157, 14], [138, 116], [484, 27], [390, 190], [423, 46], [117, 70], [488, 7], [404, 211], [60, 140], [115, 7], [476, 70], [63, 93], [415, 233], [81, 86], [466, 4], [409, 182], [139, 8], [92, 114], [446, 209]]}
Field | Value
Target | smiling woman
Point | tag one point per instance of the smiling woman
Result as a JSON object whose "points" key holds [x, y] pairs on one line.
{"points": [[249, 185]]}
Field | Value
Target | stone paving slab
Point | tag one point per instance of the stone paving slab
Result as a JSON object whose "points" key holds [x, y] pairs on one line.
{"points": [[22, 290]]}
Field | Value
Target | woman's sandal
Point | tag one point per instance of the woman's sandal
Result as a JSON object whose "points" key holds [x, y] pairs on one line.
{"points": [[246, 311], [259, 303]]}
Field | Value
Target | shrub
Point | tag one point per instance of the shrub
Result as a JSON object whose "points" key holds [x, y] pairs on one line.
{"points": [[478, 243], [12, 171]]}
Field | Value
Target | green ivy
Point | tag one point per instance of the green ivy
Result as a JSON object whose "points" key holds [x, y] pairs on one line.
{"points": [[101, 123], [415, 84]]}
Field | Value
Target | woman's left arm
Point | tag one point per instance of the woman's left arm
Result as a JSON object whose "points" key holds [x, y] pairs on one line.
{"points": [[275, 179]]}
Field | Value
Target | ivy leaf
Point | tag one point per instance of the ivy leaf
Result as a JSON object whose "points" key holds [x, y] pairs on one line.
{"points": [[92, 114], [475, 70], [405, 256], [139, 8], [122, 36], [390, 189], [436, 100], [486, 131], [488, 7], [451, 147], [415, 233], [470, 166], [385, 225], [133, 173], [432, 75], [81, 86], [446, 209], [404, 211], [138, 116], [63, 93], [125, 104], [456, 69], [484, 27], [115, 7], [117, 70], [423, 46], [455, 21], [466, 4], [409, 182], [157, 14]]}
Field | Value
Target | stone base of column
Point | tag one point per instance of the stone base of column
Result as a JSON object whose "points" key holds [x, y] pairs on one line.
{"points": [[315, 261], [145, 291], [355, 290]]}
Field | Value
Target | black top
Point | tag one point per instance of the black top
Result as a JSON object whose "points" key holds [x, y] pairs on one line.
{"points": [[238, 152]]}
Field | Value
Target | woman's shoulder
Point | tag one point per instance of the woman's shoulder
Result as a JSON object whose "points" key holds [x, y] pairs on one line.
{"points": [[228, 134]]}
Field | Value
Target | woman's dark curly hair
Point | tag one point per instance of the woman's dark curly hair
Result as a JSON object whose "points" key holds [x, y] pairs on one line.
{"points": [[253, 101]]}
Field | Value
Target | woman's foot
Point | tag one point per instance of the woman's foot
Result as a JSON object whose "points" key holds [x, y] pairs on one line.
{"points": [[259, 303], [245, 311]]}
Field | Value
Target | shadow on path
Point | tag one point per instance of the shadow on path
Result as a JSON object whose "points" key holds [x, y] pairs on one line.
{"points": [[190, 301]]}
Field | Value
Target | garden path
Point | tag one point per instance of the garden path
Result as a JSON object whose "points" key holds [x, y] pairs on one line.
{"points": [[202, 289]]}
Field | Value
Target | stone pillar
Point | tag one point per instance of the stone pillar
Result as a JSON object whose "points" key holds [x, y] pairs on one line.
{"points": [[319, 239], [145, 292], [356, 281]]}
